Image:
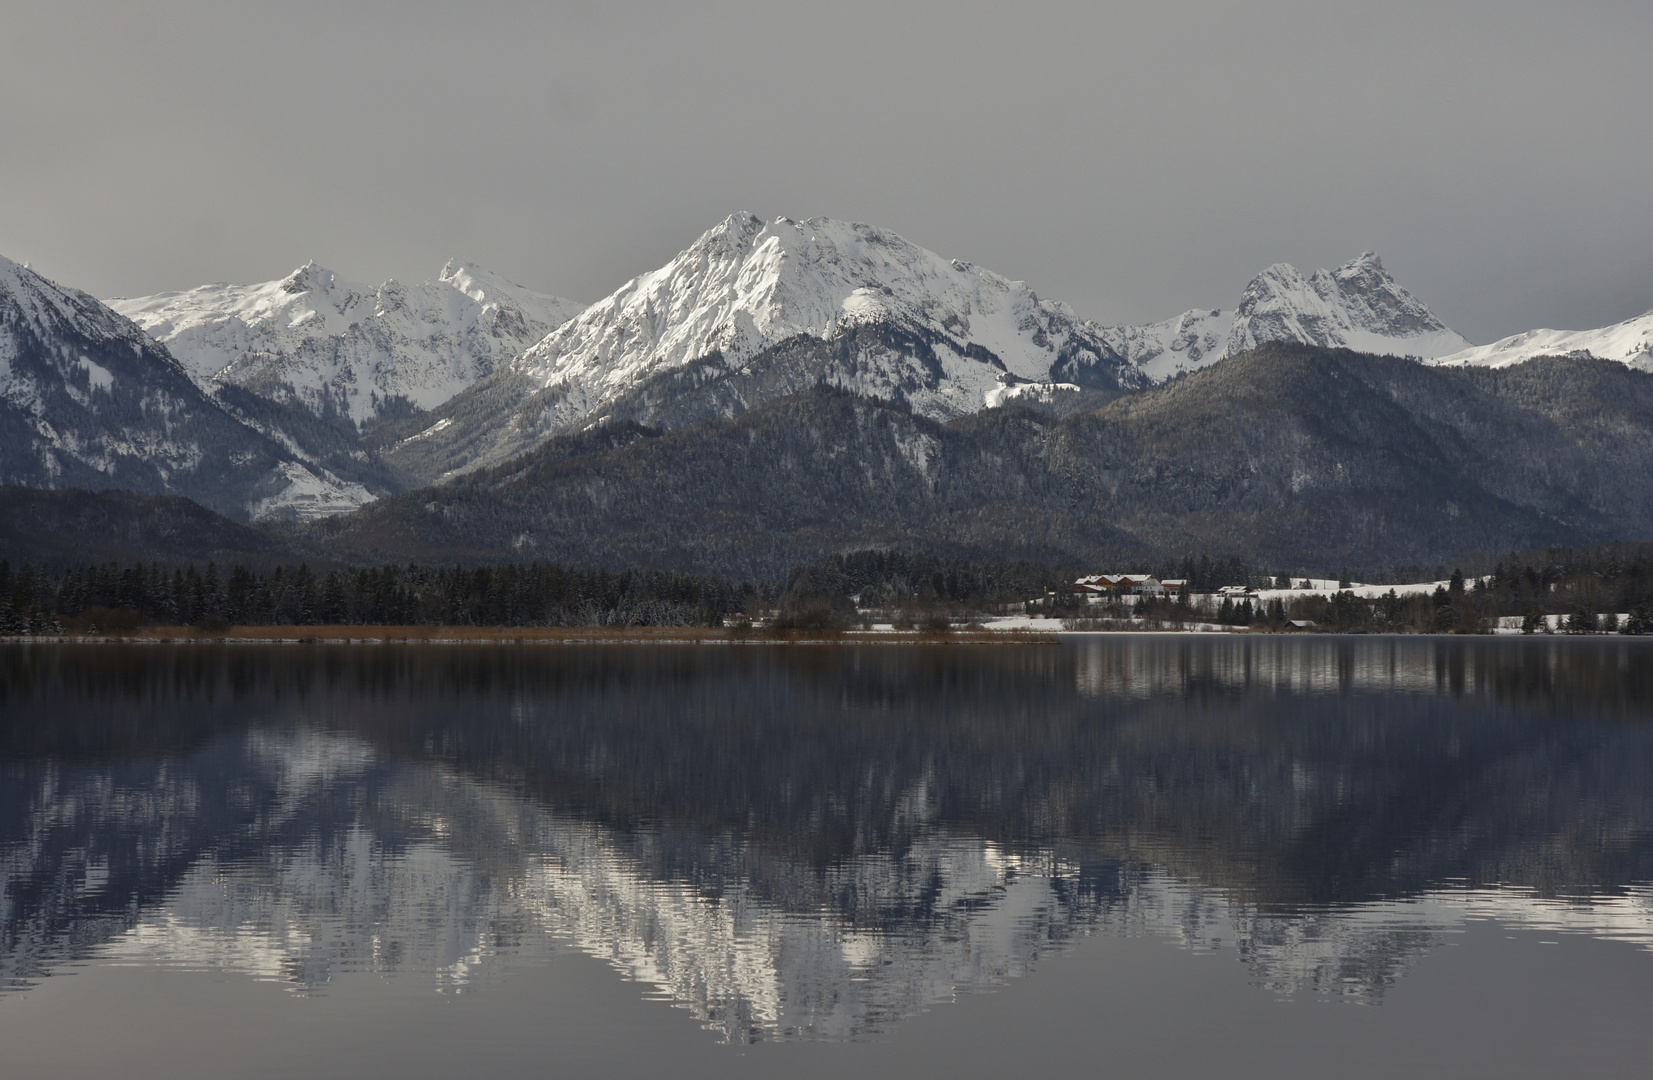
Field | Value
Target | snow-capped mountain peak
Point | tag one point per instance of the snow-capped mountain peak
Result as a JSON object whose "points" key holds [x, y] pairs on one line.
{"points": [[311, 277], [30, 299], [1357, 306], [746, 286], [338, 347]]}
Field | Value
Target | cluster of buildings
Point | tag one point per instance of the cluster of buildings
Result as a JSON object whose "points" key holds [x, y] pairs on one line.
{"points": [[1099, 587]]}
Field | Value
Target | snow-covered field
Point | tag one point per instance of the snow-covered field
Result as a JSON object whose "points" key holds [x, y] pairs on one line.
{"points": [[1329, 586]]}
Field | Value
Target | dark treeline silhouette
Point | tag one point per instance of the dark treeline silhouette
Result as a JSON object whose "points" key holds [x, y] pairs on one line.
{"points": [[1587, 587], [110, 597], [892, 579], [1606, 588]]}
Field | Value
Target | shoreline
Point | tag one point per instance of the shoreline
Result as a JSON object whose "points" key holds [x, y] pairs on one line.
{"points": [[529, 635], [680, 635]]}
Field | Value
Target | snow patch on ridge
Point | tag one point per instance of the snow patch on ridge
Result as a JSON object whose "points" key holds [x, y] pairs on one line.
{"points": [[1042, 393], [97, 376], [304, 495], [1629, 342]]}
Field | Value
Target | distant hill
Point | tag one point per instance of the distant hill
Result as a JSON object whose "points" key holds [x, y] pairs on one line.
{"points": [[74, 526]]}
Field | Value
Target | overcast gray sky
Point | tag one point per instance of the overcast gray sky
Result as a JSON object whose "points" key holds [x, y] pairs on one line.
{"points": [[1132, 159]]}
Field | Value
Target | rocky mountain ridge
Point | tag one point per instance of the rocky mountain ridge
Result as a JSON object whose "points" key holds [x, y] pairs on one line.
{"points": [[1358, 306], [338, 348]]}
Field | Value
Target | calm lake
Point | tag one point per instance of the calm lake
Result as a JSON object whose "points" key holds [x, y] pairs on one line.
{"points": [[1133, 855]]}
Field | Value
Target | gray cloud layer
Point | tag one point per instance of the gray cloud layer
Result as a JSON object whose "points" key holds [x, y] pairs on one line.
{"points": [[1131, 159]]}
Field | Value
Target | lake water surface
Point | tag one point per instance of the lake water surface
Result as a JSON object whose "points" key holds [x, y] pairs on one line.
{"points": [[1133, 855]]}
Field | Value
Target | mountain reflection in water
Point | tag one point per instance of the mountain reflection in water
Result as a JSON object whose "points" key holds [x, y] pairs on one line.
{"points": [[817, 842]]}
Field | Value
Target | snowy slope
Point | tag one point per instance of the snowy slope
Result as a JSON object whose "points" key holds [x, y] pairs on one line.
{"points": [[339, 348], [1042, 393], [1629, 342], [1187, 342], [948, 333], [87, 399]]}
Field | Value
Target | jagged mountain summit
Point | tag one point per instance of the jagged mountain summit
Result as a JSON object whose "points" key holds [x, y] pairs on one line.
{"points": [[754, 310], [1358, 306], [87, 399], [1629, 342], [336, 348]]}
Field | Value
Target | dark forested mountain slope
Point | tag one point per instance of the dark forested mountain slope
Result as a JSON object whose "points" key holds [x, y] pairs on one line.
{"points": [[1290, 455], [858, 358], [74, 526], [747, 498], [1311, 456]]}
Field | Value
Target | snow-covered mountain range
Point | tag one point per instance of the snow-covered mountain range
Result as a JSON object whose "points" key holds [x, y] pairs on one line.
{"points": [[363, 390], [87, 399], [754, 310], [338, 348], [1358, 306]]}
